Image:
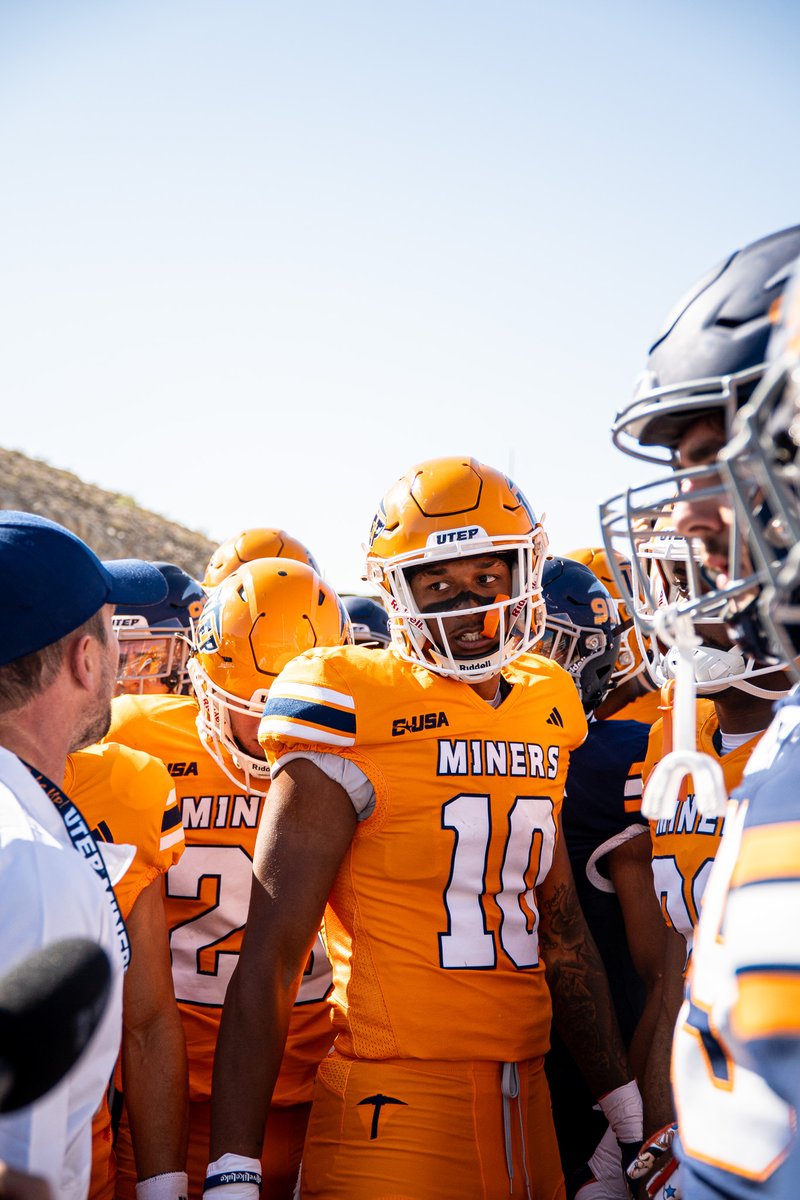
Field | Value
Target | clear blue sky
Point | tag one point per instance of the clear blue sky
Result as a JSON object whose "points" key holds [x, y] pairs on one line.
{"points": [[258, 258]]}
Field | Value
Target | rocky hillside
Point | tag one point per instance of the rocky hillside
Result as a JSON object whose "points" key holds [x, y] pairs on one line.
{"points": [[113, 525]]}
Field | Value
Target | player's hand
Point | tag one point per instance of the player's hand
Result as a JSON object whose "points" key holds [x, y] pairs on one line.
{"points": [[656, 1166], [603, 1177]]}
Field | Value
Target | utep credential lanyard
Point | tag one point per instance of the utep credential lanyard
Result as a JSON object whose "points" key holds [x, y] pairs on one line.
{"points": [[83, 841]]}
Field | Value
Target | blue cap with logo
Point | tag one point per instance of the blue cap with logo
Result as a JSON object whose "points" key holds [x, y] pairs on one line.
{"points": [[53, 582]]}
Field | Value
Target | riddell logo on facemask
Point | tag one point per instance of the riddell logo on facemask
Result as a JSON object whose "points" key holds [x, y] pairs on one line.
{"points": [[465, 666]]}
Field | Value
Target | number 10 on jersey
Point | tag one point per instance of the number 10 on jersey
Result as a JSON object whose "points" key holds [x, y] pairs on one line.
{"points": [[527, 855]]}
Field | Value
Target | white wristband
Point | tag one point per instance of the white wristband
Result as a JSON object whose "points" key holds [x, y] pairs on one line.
{"points": [[622, 1109], [233, 1177], [172, 1186]]}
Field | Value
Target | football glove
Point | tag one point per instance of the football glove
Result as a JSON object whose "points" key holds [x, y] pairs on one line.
{"points": [[656, 1160]]}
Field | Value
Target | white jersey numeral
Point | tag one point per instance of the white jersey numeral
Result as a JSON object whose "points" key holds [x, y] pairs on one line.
{"points": [[529, 842], [680, 897], [201, 966]]}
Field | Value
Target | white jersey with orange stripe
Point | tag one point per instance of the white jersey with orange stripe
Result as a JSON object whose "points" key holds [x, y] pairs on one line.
{"points": [[736, 1056]]}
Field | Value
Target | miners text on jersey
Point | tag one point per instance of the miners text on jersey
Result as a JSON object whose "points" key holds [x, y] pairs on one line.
{"points": [[480, 756]]}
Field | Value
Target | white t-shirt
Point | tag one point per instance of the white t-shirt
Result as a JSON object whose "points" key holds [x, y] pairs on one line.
{"points": [[50, 892]]}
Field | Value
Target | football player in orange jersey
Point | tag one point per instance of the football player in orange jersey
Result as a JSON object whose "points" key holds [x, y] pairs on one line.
{"points": [[129, 802], [251, 544], [421, 786], [699, 372], [260, 617]]}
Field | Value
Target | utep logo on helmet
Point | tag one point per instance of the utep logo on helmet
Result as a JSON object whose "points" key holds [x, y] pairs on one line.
{"points": [[208, 634], [456, 537]]}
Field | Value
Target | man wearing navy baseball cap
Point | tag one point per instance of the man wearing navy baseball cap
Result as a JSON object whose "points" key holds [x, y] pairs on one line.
{"points": [[58, 661]]}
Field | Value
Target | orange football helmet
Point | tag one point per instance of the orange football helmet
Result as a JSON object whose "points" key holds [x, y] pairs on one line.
{"points": [[257, 620], [452, 508], [252, 544]]}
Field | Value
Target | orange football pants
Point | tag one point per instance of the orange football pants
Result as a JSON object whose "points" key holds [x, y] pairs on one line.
{"points": [[413, 1130], [280, 1159]]}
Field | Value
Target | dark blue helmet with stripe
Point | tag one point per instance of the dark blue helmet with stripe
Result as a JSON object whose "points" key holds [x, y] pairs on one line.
{"points": [[154, 641], [369, 620], [582, 627], [712, 350]]}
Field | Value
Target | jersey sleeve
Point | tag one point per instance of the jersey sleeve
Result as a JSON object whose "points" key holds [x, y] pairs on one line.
{"points": [[128, 798], [309, 706], [145, 783]]}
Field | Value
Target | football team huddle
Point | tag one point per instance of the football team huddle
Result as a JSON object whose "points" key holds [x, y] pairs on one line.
{"points": [[485, 885]]}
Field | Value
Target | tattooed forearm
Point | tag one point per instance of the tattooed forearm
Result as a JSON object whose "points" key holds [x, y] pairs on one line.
{"points": [[582, 1010]]}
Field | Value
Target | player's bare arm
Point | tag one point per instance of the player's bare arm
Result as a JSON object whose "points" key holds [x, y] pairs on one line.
{"points": [[307, 826], [156, 1100], [656, 1090], [631, 873], [582, 1009]]}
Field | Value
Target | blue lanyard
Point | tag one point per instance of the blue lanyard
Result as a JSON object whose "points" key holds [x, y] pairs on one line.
{"points": [[83, 841]]}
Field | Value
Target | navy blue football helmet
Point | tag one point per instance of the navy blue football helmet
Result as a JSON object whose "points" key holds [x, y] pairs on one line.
{"points": [[582, 627], [712, 350], [761, 466], [154, 642], [369, 620]]}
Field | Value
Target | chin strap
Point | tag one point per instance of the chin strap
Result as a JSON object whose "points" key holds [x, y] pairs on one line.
{"points": [[667, 783]]}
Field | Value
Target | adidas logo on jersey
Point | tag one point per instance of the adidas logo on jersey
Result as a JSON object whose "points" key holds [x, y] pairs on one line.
{"points": [[416, 724], [555, 718]]}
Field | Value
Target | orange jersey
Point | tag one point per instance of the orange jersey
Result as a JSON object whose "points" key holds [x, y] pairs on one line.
{"points": [[645, 709], [128, 799], [685, 845], [432, 925], [129, 804], [208, 893]]}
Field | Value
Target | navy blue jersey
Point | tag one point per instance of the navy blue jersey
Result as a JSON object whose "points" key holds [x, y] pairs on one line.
{"points": [[602, 809], [737, 1042], [603, 797]]}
